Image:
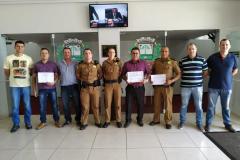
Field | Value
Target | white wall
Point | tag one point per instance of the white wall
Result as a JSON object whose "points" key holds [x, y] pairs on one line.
{"points": [[145, 15], [108, 37], [4, 111]]}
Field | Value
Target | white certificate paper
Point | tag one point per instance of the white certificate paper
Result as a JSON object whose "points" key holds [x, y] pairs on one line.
{"points": [[133, 77], [45, 77], [158, 79]]}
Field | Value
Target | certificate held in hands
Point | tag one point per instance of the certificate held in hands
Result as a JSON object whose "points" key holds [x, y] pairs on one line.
{"points": [[45, 77], [134, 77], [158, 79]]}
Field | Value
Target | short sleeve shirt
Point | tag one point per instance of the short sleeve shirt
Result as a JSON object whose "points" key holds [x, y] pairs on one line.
{"points": [[45, 67], [19, 67], [68, 73], [221, 70], [192, 71], [166, 66]]}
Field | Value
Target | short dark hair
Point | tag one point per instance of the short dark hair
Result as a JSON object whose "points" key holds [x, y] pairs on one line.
{"points": [[223, 40], [44, 49], [67, 48], [135, 48], [88, 49], [19, 42]]}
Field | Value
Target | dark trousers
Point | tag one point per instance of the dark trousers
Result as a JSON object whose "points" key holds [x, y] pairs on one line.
{"points": [[67, 93], [137, 94]]}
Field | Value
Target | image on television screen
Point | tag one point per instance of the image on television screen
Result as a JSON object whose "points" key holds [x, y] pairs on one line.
{"points": [[108, 15]]}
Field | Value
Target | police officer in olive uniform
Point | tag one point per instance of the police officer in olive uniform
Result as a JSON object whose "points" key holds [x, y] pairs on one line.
{"points": [[89, 74], [163, 94], [111, 74]]}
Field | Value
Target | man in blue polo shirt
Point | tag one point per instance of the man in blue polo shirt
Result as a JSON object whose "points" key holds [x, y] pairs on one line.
{"points": [[193, 68], [222, 67]]}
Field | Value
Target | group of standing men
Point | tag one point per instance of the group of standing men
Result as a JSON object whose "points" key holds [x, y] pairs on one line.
{"points": [[86, 76]]}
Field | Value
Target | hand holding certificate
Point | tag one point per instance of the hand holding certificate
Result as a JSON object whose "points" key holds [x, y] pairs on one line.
{"points": [[134, 77], [45, 77], [158, 79]]}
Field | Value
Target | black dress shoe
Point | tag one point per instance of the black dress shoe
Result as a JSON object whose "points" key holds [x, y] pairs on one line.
{"points": [[14, 128], [83, 126], [127, 123], [119, 124], [28, 126], [230, 128], [168, 126], [66, 123], [106, 124], [153, 123], [140, 123], [99, 125]]}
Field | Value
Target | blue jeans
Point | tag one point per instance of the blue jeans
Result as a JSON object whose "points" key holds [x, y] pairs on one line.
{"points": [[16, 93], [213, 95], [67, 93], [43, 94], [197, 93]]}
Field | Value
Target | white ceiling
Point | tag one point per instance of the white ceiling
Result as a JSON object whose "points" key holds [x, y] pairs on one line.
{"points": [[86, 1]]}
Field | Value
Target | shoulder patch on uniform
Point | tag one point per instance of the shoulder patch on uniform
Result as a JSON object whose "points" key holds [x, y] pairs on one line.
{"points": [[173, 59], [117, 59]]}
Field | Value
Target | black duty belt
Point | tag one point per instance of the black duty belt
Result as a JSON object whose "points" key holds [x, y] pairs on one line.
{"points": [[164, 86], [94, 84], [111, 81]]}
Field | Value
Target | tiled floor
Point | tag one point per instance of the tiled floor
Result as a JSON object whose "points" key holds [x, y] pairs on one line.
{"points": [[133, 143]]}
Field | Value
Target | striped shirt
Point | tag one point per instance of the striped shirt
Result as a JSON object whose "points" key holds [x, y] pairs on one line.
{"points": [[192, 71]]}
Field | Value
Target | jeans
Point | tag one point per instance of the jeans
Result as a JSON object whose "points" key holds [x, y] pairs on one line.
{"points": [[16, 93], [43, 94], [225, 101], [136, 93], [197, 93], [67, 93]]}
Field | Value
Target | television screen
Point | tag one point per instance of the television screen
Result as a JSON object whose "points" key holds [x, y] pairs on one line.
{"points": [[108, 15]]}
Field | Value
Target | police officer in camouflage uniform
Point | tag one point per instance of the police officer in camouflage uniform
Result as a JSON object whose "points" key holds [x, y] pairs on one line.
{"points": [[89, 74], [111, 74], [163, 94]]}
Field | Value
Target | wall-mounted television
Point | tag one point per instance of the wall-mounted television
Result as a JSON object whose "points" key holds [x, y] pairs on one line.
{"points": [[108, 15]]}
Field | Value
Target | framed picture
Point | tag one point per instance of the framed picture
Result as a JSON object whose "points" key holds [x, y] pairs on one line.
{"points": [[105, 49]]}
